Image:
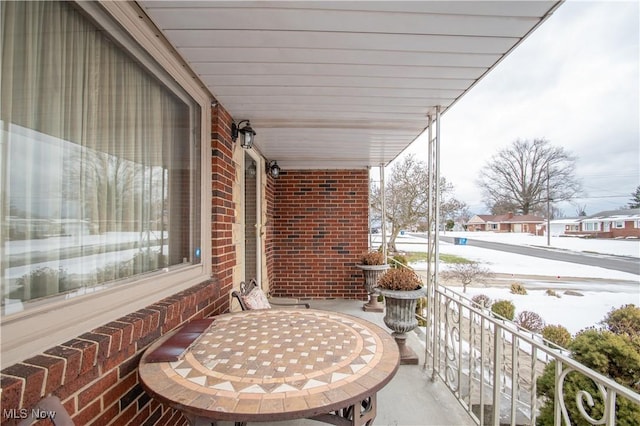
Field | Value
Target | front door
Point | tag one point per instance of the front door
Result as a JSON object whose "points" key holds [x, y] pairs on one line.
{"points": [[251, 214]]}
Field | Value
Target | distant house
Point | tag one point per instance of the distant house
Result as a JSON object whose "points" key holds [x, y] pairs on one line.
{"points": [[611, 224], [563, 227], [506, 223]]}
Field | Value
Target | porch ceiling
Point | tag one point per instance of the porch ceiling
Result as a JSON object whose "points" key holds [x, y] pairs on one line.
{"points": [[342, 84]]}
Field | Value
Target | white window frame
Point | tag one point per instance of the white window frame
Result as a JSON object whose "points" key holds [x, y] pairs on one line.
{"points": [[618, 224], [31, 332]]}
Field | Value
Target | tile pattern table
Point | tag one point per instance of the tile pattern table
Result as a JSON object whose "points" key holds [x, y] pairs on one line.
{"points": [[279, 365]]}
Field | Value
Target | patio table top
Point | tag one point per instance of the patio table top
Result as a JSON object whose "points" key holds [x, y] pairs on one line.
{"points": [[275, 365]]}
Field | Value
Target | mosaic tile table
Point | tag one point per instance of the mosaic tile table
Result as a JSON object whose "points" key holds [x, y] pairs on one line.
{"points": [[271, 365]]}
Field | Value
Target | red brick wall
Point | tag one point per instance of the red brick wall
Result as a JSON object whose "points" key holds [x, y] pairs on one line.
{"points": [[320, 229], [629, 230], [223, 209], [270, 228], [95, 375]]}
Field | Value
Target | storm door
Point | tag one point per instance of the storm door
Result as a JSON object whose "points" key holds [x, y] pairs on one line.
{"points": [[251, 215]]}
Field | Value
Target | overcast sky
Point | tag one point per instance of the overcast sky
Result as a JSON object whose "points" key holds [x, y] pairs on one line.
{"points": [[575, 82]]}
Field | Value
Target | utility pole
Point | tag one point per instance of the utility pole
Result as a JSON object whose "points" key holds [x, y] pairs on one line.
{"points": [[548, 210]]}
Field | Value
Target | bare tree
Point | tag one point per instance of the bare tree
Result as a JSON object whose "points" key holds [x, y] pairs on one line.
{"points": [[467, 273], [522, 176], [581, 209], [407, 197]]}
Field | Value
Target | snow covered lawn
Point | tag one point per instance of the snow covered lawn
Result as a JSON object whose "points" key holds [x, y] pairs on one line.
{"points": [[603, 289]]}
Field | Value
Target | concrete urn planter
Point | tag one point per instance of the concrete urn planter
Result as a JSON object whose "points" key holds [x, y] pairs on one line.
{"points": [[400, 317], [371, 275]]}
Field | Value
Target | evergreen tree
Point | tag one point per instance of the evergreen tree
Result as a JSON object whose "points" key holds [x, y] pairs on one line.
{"points": [[635, 199]]}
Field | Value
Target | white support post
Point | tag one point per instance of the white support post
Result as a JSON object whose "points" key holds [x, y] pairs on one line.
{"points": [[437, 199], [429, 346], [384, 212], [433, 246]]}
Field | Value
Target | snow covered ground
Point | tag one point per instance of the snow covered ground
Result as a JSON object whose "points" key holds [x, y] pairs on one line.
{"points": [[603, 289]]}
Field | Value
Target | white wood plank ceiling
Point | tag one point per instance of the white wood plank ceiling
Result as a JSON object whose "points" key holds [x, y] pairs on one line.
{"points": [[342, 84]]}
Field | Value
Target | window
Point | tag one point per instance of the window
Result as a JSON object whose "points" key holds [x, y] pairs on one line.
{"points": [[100, 160], [590, 226], [618, 224], [492, 226]]}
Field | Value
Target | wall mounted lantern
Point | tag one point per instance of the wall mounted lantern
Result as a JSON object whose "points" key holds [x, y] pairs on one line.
{"points": [[246, 133], [252, 170], [273, 169]]}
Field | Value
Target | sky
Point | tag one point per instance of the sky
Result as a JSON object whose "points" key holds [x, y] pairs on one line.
{"points": [[575, 82]]}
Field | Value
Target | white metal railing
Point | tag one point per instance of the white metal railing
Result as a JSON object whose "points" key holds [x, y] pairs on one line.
{"points": [[492, 366]]}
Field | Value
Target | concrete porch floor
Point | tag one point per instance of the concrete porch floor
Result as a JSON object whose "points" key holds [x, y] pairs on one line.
{"points": [[410, 399]]}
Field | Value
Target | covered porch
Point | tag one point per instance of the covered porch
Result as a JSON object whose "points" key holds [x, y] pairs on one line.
{"points": [[329, 90]]}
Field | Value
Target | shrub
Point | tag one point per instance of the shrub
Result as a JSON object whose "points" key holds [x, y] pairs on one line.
{"points": [[552, 293], [624, 320], [399, 279], [518, 288], [616, 355], [573, 293], [530, 321], [372, 258], [399, 260], [449, 224], [43, 282], [557, 334], [421, 310], [504, 308], [482, 300]]}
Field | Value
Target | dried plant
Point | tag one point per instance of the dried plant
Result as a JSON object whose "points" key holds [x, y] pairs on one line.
{"points": [[372, 258], [530, 321], [482, 300], [399, 279], [518, 288]]}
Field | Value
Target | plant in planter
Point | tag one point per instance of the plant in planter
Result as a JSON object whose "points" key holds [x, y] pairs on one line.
{"points": [[373, 266], [401, 289]]}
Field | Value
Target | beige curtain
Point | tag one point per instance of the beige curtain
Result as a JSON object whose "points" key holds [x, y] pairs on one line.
{"points": [[91, 142]]}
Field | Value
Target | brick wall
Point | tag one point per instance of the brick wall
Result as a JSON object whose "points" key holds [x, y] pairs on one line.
{"points": [[223, 209], [95, 374], [270, 228], [320, 228]]}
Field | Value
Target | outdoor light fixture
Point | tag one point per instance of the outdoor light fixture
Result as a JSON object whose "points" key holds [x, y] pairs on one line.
{"points": [[252, 170], [273, 169], [246, 132]]}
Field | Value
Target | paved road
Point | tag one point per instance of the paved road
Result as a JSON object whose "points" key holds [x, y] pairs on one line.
{"points": [[616, 263]]}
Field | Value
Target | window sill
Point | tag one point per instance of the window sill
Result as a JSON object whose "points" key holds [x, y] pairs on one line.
{"points": [[35, 330]]}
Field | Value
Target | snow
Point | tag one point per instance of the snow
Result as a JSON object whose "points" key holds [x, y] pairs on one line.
{"points": [[603, 289], [618, 247]]}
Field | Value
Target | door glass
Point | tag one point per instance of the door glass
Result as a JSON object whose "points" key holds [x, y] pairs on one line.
{"points": [[250, 216]]}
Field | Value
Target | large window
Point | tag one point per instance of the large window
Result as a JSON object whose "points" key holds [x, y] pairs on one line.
{"points": [[591, 226], [99, 167]]}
